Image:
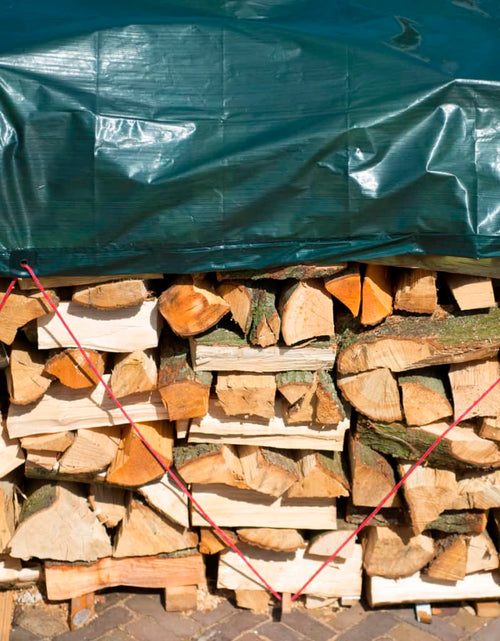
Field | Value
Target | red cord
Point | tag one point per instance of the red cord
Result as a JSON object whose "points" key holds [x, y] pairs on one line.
{"points": [[159, 458], [7, 293]]}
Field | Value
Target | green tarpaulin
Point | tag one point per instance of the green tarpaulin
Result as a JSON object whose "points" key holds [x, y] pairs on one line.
{"points": [[190, 135]]}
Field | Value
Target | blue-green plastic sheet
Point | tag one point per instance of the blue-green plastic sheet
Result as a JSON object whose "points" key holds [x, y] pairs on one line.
{"points": [[191, 135]]}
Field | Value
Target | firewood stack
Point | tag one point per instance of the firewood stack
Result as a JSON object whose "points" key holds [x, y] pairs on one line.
{"points": [[289, 401]]}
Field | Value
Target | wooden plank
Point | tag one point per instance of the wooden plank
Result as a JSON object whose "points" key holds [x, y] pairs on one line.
{"points": [[11, 455], [6, 614], [13, 574], [117, 330], [82, 611], [224, 351], [418, 588], [67, 581], [216, 427], [232, 507], [180, 598], [62, 407], [287, 572], [75, 281]]}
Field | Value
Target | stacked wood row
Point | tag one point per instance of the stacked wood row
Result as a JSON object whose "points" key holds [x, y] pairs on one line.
{"points": [[289, 401]]}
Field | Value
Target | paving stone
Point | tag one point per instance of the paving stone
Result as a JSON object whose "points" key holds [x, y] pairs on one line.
{"points": [[151, 605], [252, 636], [111, 619], [211, 617], [108, 598], [467, 621], [148, 629], [490, 632], [347, 618], [233, 627], [407, 632], [280, 632], [147, 604], [42, 621], [446, 611], [308, 626], [19, 634], [117, 635], [372, 626]]}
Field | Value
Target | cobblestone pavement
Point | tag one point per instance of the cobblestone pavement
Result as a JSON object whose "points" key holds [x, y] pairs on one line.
{"points": [[139, 616]]}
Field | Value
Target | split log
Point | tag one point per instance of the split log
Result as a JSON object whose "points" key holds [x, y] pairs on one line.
{"points": [[7, 604], [207, 464], [57, 442], [375, 394], [7, 514], [376, 296], [212, 543], [82, 611], [44, 460], [181, 598], [470, 380], [285, 572], [11, 455], [232, 507], [92, 451], [298, 272], [306, 311], [246, 394], [416, 291], [184, 392], [480, 490], [20, 309], [327, 543], [191, 306], [134, 464], [182, 428], [143, 532], [225, 351], [216, 427], [490, 428], [424, 397], [372, 476], [77, 281], [75, 532], [393, 552], [303, 411], [294, 385], [428, 493], [253, 308], [322, 474], [482, 555], [108, 503], [167, 498], [421, 589], [285, 540], [450, 561], [73, 370], [255, 600], [471, 292], [61, 407], [269, 471], [415, 342], [69, 581], [346, 287], [119, 330], [329, 408], [450, 522], [133, 373], [115, 295], [26, 380], [460, 449]]}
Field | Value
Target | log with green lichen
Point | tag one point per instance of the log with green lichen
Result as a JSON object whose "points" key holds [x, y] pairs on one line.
{"points": [[294, 385], [371, 474], [460, 449], [451, 521], [424, 397], [322, 474], [329, 408], [209, 463], [184, 392], [298, 272], [413, 342], [268, 470]]}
